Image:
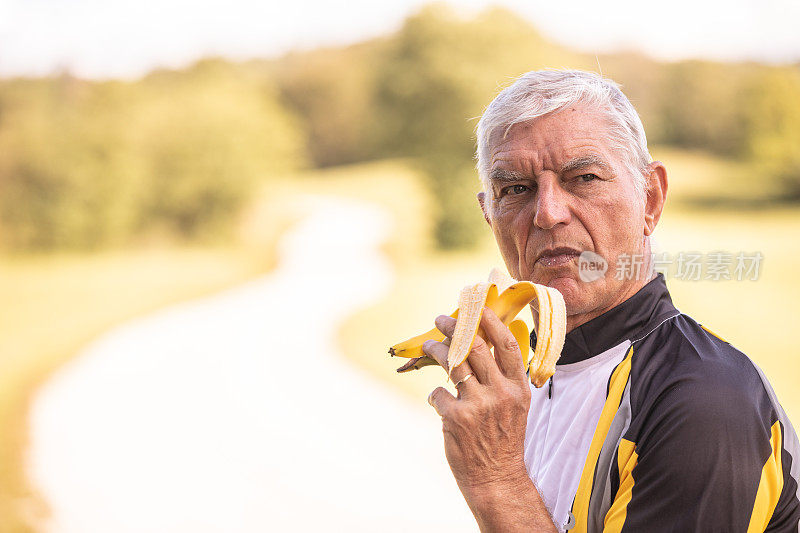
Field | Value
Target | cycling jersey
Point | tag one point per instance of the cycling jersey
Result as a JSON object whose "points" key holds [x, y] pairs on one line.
{"points": [[652, 423]]}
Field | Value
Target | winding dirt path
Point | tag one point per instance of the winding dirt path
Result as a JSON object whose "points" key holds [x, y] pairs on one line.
{"points": [[235, 413]]}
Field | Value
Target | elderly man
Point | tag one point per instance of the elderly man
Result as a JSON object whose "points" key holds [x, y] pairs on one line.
{"points": [[651, 422]]}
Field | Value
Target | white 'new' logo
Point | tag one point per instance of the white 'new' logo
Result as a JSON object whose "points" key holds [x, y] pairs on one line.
{"points": [[591, 266]]}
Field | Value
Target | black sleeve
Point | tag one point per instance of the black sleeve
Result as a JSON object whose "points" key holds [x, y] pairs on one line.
{"points": [[707, 457]]}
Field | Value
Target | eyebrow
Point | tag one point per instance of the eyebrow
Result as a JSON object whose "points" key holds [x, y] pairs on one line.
{"points": [[505, 176], [500, 175], [582, 162]]}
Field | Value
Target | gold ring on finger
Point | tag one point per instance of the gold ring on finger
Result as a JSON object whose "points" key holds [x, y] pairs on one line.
{"points": [[462, 380]]}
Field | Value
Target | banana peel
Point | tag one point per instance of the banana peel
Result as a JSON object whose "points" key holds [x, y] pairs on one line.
{"points": [[506, 297]]}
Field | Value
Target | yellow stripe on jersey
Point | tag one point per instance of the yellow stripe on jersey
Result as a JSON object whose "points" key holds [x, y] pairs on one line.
{"points": [[712, 333], [626, 460], [617, 382], [771, 484]]}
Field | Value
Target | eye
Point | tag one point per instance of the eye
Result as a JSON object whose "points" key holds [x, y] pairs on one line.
{"points": [[514, 189], [588, 177]]}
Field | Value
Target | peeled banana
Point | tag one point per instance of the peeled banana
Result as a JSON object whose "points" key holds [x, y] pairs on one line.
{"points": [[506, 297]]}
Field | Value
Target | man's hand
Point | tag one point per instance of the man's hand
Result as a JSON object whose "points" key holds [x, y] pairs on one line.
{"points": [[484, 428]]}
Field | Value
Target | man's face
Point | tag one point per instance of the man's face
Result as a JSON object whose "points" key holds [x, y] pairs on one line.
{"points": [[560, 189]]}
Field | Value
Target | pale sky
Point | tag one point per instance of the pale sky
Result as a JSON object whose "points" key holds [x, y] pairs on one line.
{"points": [[115, 38]]}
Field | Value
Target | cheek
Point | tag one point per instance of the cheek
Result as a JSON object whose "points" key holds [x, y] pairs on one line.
{"points": [[511, 229], [506, 238], [616, 225]]}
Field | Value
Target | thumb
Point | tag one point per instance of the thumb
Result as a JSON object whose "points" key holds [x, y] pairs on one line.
{"points": [[441, 400]]}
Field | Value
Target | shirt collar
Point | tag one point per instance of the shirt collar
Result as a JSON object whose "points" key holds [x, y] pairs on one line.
{"points": [[627, 321]]}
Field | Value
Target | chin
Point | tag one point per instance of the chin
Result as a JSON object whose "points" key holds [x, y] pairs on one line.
{"points": [[564, 279], [571, 290], [565, 285], [579, 296]]}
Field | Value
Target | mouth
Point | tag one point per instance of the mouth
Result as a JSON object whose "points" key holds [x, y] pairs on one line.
{"points": [[554, 257]]}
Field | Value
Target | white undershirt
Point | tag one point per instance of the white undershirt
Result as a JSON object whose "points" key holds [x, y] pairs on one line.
{"points": [[560, 428]]}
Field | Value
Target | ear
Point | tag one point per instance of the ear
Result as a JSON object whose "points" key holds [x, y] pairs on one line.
{"points": [[481, 199], [656, 195]]}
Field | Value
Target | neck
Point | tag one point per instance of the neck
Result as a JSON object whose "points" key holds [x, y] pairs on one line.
{"points": [[574, 321], [577, 320]]}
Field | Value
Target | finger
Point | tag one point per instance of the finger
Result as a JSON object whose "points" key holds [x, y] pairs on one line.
{"points": [[507, 352], [416, 363], [446, 324], [438, 352], [480, 357], [466, 386], [441, 400], [465, 379]]}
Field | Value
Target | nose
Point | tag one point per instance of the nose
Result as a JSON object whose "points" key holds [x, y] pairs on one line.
{"points": [[551, 204]]}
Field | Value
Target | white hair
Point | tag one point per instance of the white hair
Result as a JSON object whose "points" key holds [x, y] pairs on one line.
{"points": [[538, 93]]}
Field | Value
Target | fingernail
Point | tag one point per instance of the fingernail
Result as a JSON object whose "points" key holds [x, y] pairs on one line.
{"points": [[429, 399]]}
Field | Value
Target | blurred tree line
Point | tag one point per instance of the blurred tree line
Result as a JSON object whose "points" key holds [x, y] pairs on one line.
{"points": [[89, 164], [86, 164]]}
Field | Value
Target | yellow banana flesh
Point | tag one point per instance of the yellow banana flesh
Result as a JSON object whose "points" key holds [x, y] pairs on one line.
{"points": [[542, 342], [471, 302], [555, 335], [520, 331], [501, 279], [506, 297]]}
